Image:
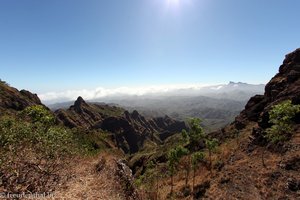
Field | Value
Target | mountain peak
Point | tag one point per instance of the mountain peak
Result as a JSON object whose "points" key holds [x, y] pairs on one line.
{"points": [[236, 83], [79, 102], [80, 99]]}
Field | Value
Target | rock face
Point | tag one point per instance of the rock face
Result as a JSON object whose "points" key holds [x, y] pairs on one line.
{"points": [[12, 100], [126, 179], [283, 86], [81, 114], [130, 130]]}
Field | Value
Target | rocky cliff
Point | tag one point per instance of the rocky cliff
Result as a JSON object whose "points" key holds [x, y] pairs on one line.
{"points": [[283, 86], [12, 100], [84, 115], [130, 130]]}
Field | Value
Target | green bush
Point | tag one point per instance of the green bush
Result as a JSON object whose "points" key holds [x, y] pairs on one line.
{"points": [[281, 116], [89, 142], [174, 156], [39, 114], [33, 150]]}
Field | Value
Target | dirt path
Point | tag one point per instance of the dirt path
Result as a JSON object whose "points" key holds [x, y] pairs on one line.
{"points": [[88, 184]]}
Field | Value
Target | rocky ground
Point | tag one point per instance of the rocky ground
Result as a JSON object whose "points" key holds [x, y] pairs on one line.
{"points": [[92, 178]]}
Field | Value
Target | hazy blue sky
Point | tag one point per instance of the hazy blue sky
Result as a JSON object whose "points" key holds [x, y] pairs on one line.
{"points": [[53, 45]]}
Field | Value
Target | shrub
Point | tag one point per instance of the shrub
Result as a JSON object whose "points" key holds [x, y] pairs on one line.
{"points": [[195, 134], [33, 151], [174, 156], [281, 116], [39, 114]]}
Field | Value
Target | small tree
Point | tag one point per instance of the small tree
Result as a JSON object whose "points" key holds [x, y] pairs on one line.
{"points": [[197, 157], [195, 134], [186, 166], [149, 180], [211, 145], [281, 116], [174, 156]]}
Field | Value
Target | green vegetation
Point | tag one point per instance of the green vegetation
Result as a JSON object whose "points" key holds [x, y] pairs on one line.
{"points": [[211, 145], [32, 145], [174, 156], [39, 114], [281, 116], [195, 134], [107, 110], [192, 139], [185, 151], [197, 158], [150, 180]]}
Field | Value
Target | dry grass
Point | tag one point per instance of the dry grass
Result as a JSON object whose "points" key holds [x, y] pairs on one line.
{"points": [[87, 183], [243, 175]]}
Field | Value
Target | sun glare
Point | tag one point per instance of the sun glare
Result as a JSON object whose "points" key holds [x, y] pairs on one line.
{"points": [[173, 2]]}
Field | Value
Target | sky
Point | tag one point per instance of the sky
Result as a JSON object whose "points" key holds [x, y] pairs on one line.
{"points": [[59, 45]]}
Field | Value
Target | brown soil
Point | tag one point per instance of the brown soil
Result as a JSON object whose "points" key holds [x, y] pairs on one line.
{"points": [[88, 183]]}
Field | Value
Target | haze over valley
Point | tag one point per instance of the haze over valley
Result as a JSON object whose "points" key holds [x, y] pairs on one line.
{"points": [[216, 105]]}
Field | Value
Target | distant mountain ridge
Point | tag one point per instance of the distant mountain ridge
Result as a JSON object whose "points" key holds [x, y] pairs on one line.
{"points": [[233, 90]]}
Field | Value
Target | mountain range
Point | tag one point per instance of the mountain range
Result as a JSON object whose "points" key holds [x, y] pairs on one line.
{"points": [[216, 105]]}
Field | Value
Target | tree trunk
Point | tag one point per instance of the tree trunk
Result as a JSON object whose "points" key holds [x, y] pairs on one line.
{"points": [[187, 177], [263, 158], [157, 187], [210, 161], [193, 189], [172, 184]]}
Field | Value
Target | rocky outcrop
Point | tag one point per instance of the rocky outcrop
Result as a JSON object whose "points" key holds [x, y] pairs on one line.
{"points": [[12, 100], [130, 130], [283, 86], [125, 177], [80, 114]]}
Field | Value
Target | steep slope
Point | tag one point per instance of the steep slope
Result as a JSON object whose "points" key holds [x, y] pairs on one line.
{"points": [[283, 86], [243, 175], [130, 130], [12, 100]]}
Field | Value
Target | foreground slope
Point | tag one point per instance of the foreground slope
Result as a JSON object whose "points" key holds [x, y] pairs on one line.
{"points": [[39, 156], [244, 175]]}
